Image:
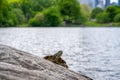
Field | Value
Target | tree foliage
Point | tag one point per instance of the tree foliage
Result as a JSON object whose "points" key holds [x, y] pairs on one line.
{"points": [[85, 10], [4, 9], [117, 18], [112, 11], [49, 17], [96, 11], [31, 7], [17, 16], [40, 12], [38, 20], [52, 17], [103, 18], [70, 10]]}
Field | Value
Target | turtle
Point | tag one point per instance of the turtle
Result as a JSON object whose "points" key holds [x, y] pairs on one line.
{"points": [[56, 58]]}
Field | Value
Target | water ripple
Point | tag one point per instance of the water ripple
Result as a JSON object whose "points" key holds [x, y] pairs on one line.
{"points": [[90, 51]]}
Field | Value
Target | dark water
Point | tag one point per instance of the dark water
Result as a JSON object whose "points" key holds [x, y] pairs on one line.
{"points": [[94, 52]]}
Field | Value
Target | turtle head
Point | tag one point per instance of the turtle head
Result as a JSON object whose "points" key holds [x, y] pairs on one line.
{"points": [[58, 54]]}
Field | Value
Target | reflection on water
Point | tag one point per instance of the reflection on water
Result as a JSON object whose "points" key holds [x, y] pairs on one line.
{"points": [[90, 51]]}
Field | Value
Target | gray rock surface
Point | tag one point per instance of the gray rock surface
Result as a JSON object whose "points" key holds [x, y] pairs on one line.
{"points": [[19, 65]]}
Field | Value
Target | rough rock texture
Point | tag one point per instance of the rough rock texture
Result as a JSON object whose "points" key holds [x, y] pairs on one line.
{"points": [[19, 65]]}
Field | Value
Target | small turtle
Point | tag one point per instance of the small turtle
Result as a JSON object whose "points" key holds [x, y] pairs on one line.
{"points": [[58, 55], [56, 58]]}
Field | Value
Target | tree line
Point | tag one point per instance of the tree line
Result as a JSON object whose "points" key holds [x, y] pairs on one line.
{"points": [[40, 13], [47, 13], [110, 14]]}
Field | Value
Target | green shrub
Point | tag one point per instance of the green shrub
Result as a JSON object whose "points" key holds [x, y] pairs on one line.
{"points": [[70, 11], [95, 24], [49, 17], [91, 24], [52, 17], [112, 12], [102, 18], [19, 16], [86, 11], [96, 11], [117, 24], [4, 9], [38, 20], [31, 7], [117, 18]]}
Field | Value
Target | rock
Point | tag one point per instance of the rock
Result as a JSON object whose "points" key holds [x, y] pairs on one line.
{"points": [[19, 65], [56, 58]]}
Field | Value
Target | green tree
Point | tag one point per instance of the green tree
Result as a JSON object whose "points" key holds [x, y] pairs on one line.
{"points": [[85, 10], [117, 18], [17, 16], [102, 18], [38, 20], [31, 7], [49, 17], [4, 9], [112, 11], [96, 11], [26, 6], [52, 17], [15, 4], [70, 10]]}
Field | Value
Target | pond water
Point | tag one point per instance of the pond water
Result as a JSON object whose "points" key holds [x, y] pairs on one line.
{"points": [[94, 52]]}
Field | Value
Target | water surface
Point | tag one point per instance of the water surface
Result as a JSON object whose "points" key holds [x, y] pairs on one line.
{"points": [[94, 52]]}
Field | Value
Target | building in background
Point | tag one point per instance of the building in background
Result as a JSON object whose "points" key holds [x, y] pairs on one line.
{"points": [[119, 2], [101, 4], [114, 3], [96, 3], [90, 3], [107, 3]]}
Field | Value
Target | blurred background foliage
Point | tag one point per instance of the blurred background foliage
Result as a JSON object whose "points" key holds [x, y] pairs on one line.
{"points": [[40, 12], [46, 13]]}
